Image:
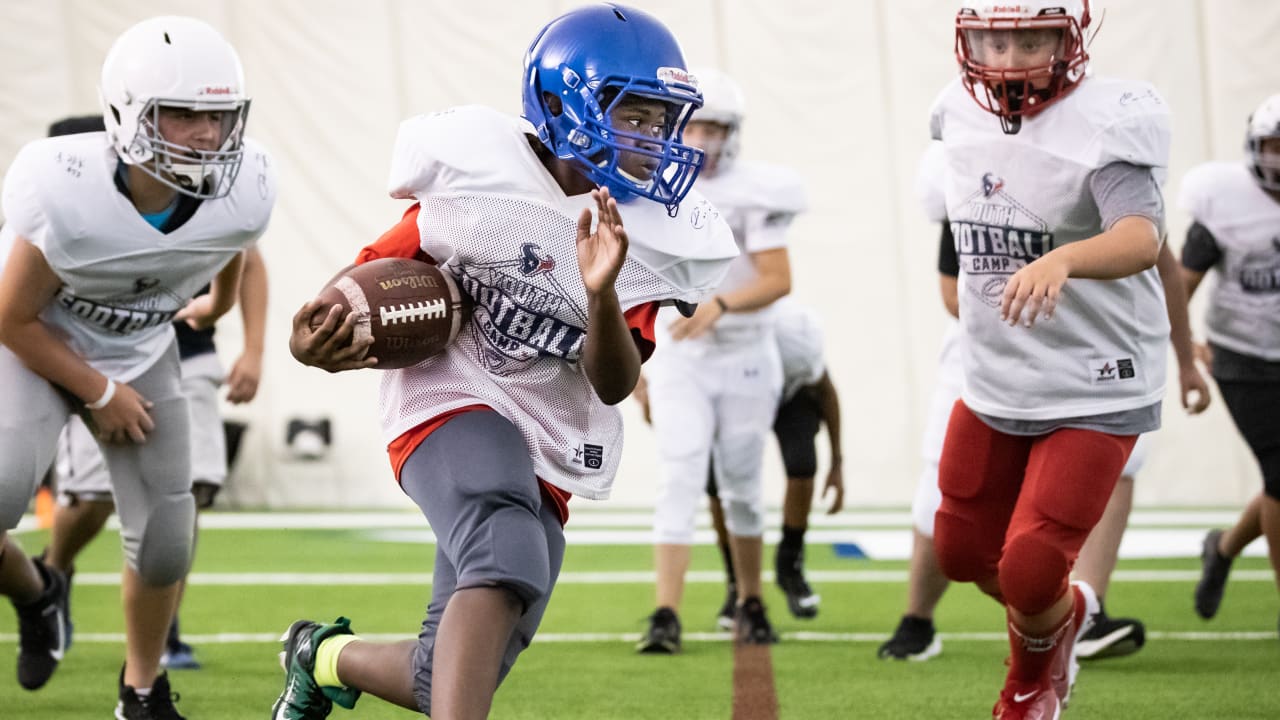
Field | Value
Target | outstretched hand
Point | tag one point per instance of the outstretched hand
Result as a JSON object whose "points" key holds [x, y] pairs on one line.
{"points": [[601, 253]]}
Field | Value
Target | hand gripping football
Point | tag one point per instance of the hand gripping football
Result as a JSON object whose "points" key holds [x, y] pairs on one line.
{"points": [[412, 309]]}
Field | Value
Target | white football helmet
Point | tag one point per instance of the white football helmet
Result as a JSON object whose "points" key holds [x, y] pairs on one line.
{"points": [[175, 62], [1264, 124], [724, 104], [1014, 93]]}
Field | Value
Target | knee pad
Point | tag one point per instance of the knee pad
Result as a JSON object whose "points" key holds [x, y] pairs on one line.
{"points": [[743, 518], [799, 458], [965, 553], [164, 552], [508, 548], [1033, 573], [676, 507]]}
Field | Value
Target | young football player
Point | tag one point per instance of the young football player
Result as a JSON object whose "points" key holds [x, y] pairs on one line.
{"points": [[112, 234], [809, 401], [714, 386], [82, 480], [491, 437], [1236, 209], [915, 638], [1052, 186]]}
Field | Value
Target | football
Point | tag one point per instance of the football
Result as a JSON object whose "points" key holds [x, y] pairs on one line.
{"points": [[412, 309]]}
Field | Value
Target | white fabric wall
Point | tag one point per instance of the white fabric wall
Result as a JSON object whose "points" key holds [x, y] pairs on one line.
{"points": [[838, 90]]}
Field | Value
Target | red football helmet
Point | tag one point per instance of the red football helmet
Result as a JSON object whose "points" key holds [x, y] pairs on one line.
{"points": [[1017, 58]]}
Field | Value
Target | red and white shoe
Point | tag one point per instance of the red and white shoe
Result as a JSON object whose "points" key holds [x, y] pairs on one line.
{"points": [[1022, 701], [1065, 666]]}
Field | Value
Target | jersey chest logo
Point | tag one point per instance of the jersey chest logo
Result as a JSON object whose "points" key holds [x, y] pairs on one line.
{"points": [[523, 312], [995, 237]]}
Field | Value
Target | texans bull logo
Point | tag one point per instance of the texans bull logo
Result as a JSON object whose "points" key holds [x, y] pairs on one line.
{"points": [[533, 261]]}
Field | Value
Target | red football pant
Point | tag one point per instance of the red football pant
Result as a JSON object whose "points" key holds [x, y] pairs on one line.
{"points": [[1016, 509]]}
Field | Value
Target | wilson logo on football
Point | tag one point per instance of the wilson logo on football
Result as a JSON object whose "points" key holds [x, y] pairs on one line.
{"points": [[412, 282]]}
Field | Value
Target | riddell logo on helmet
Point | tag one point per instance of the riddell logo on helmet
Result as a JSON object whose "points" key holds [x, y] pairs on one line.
{"points": [[1008, 9], [676, 75], [216, 90]]}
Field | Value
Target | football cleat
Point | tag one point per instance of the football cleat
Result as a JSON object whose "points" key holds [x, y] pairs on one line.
{"points": [[1027, 702], [802, 601], [724, 620], [303, 698], [42, 629], [751, 624], [179, 656], [915, 639], [663, 635], [157, 705], [1214, 568], [1111, 637]]}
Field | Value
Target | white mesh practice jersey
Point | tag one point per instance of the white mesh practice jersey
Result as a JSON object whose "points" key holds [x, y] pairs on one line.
{"points": [[798, 332], [493, 217], [759, 202], [931, 188], [1244, 309], [123, 280], [1011, 199]]}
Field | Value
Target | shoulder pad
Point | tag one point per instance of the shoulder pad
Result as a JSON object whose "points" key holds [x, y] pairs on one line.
{"points": [[1131, 122], [470, 144], [931, 182]]}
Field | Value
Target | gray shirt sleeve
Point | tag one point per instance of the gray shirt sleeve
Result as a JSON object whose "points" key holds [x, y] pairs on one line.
{"points": [[1121, 189]]}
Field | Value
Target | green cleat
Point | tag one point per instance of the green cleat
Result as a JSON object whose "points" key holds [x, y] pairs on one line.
{"points": [[302, 698]]}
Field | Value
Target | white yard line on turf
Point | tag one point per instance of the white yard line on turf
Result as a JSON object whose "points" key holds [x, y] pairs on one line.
{"points": [[638, 518], [618, 577], [245, 638]]}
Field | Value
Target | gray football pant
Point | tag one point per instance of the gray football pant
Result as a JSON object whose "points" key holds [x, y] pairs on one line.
{"points": [[151, 482], [474, 481]]}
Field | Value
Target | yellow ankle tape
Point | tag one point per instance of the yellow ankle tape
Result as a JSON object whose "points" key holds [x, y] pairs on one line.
{"points": [[326, 673]]}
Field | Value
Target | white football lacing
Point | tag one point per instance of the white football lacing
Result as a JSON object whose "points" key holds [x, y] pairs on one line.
{"points": [[412, 312]]}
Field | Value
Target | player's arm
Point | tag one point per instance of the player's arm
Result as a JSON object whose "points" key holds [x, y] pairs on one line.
{"points": [[829, 406], [242, 381], [1190, 380], [610, 357], [204, 310], [1131, 206], [948, 270], [1199, 254], [772, 281], [27, 286]]}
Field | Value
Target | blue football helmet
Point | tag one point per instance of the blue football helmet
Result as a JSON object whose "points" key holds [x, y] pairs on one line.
{"points": [[590, 58]]}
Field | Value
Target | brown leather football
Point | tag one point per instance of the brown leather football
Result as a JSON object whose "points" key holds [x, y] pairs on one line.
{"points": [[412, 309]]}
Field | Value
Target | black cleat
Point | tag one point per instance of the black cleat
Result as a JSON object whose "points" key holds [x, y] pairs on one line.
{"points": [[751, 624], [724, 620], [158, 705], [1214, 568], [42, 630], [802, 601], [1111, 637], [663, 635], [915, 639]]}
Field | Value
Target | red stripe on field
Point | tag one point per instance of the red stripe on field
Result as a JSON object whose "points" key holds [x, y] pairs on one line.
{"points": [[754, 697]]}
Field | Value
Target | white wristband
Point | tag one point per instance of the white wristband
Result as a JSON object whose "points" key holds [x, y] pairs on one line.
{"points": [[107, 394]]}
